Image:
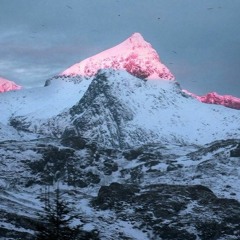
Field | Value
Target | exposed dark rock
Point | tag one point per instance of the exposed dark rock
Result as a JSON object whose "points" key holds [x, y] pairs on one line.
{"points": [[173, 211], [235, 152], [109, 167], [20, 124], [132, 154], [99, 107], [74, 142]]}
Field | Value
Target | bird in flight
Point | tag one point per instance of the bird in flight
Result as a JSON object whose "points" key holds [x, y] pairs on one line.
{"points": [[68, 6]]}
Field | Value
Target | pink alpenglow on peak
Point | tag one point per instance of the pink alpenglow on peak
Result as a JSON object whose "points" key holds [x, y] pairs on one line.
{"points": [[225, 100], [214, 98], [6, 85], [133, 55]]}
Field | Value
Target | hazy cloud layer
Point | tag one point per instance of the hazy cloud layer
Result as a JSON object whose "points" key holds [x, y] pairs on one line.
{"points": [[198, 40]]}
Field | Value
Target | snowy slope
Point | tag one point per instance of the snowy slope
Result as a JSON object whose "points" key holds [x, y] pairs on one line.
{"points": [[6, 85], [134, 55], [42, 102], [132, 111], [135, 192], [38, 103], [117, 109]]}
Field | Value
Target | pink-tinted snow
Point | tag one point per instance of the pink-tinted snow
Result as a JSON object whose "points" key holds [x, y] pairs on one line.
{"points": [[225, 100], [138, 57], [214, 98], [6, 85], [134, 55]]}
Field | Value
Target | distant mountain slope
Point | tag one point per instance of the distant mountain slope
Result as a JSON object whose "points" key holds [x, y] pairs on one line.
{"points": [[225, 100], [6, 85], [214, 98]]}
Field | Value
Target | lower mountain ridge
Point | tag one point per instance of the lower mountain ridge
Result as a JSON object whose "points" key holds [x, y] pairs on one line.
{"points": [[117, 109], [135, 159]]}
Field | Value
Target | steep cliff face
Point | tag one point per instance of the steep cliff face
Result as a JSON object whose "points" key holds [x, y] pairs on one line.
{"points": [[6, 85], [134, 55]]}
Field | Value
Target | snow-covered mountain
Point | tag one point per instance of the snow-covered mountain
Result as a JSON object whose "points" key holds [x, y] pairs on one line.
{"points": [[117, 109], [134, 55], [137, 57], [138, 158], [6, 85]]}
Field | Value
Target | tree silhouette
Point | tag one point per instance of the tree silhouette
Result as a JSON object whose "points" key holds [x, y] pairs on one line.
{"points": [[55, 221]]}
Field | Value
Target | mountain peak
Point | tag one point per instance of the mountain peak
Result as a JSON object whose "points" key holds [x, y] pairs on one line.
{"points": [[137, 36], [137, 39], [6, 85], [133, 55]]}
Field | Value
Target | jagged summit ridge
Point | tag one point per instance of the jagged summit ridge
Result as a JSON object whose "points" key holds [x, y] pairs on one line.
{"points": [[6, 85], [133, 55]]}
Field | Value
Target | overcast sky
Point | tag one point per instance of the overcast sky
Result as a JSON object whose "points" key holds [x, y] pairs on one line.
{"points": [[199, 40]]}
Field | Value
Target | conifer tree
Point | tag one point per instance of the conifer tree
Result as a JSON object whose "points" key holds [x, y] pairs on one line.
{"points": [[55, 221]]}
